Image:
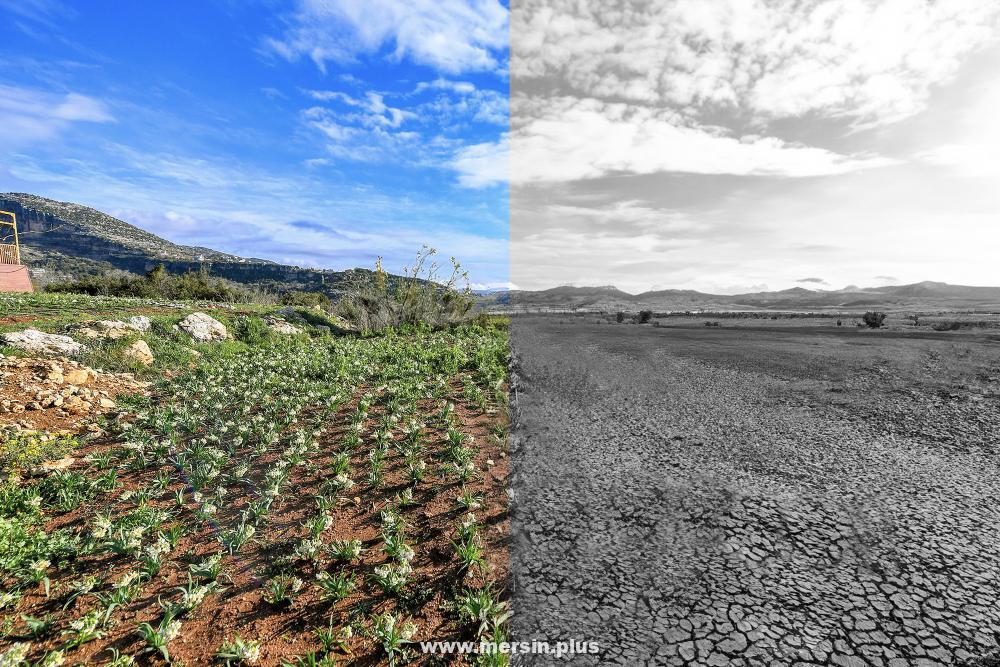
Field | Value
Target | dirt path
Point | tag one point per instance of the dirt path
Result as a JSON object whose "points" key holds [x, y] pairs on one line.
{"points": [[715, 498]]}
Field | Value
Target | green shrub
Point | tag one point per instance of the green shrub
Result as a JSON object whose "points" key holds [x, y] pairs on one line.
{"points": [[251, 330], [305, 299], [160, 284], [645, 316], [418, 297]]}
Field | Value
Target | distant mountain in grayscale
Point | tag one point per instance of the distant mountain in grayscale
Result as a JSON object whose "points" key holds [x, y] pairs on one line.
{"points": [[917, 296]]}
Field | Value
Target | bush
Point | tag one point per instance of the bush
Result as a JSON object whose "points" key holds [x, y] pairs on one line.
{"points": [[873, 319], [645, 316], [305, 299], [620, 317], [418, 297], [251, 330], [159, 284], [947, 326]]}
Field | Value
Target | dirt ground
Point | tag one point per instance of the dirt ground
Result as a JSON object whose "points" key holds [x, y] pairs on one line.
{"points": [[756, 496]]}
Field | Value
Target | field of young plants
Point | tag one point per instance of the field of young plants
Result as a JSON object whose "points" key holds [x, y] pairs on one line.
{"points": [[304, 499]]}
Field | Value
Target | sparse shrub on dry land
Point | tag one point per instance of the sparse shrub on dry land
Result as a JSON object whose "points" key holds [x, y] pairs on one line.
{"points": [[419, 297], [873, 319], [947, 326]]}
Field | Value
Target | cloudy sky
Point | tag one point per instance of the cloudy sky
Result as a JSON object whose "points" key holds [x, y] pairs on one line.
{"points": [[738, 145], [311, 132]]}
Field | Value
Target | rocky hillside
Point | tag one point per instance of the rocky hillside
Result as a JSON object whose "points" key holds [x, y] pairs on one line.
{"points": [[62, 240]]}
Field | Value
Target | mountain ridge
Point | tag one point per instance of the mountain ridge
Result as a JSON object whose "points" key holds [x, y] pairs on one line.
{"points": [[924, 294], [66, 240]]}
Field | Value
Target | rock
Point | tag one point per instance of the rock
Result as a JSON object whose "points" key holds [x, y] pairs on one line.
{"points": [[203, 328], [39, 342], [140, 323], [78, 376], [107, 404], [113, 328], [139, 351], [278, 325], [289, 314], [53, 466], [75, 404]]}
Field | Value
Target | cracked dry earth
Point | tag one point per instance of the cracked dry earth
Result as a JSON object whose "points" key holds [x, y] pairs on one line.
{"points": [[737, 497]]}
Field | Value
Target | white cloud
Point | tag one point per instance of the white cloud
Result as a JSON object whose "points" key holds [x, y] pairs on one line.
{"points": [[452, 36], [970, 144], [483, 165], [463, 87], [868, 61], [570, 139], [28, 115]]}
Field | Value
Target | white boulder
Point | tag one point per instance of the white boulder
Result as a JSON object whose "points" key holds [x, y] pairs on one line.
{"points": [[39, 342], [202, 328]]}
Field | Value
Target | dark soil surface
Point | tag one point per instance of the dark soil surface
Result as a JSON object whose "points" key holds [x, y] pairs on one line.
{"points": [[723, 496]]}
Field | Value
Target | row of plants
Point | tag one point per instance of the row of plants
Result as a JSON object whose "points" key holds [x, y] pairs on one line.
{"points": [[294, 474]]}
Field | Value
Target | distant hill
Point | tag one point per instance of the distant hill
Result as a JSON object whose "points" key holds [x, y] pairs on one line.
{"points": [[63, 240], [918, 296]]}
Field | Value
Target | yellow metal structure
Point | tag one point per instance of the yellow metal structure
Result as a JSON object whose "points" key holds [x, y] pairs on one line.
{"points": [[10, 249]]}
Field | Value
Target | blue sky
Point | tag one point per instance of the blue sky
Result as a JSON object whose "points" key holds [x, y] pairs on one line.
{"points": [[311, 132]]}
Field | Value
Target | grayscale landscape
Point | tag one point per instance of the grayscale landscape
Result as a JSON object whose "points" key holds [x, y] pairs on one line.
{"points": [[806, 495]]}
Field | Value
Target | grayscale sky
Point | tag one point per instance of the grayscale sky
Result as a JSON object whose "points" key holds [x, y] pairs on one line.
{"points": [[739, 145]]}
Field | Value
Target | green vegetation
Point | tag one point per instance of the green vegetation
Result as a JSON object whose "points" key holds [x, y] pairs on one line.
{"points": [[419, 297], [256, 467], [160, 284], [305, 299], [22, 449]]}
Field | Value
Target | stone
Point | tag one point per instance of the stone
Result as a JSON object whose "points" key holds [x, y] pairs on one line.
{"points": [[139, 351], [106, 403], [140, 323], [39, 342], [53, 466], [113, 329], [203, 328], [78, 377], [278, 325]]}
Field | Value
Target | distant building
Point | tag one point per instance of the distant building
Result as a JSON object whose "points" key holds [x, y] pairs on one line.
{"points": [[13, 274]]}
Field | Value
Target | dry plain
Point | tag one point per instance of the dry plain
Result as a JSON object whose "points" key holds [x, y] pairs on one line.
{"points": [[756, 495]]}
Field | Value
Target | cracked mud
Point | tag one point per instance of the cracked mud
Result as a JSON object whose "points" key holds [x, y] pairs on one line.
{"points": [[742, 497]]}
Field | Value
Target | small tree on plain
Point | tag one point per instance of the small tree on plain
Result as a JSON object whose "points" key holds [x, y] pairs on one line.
{"points": [[873, 319]]}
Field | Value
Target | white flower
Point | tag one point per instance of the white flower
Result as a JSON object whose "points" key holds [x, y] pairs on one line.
{"points": [[16, 655], [172, 630]]}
